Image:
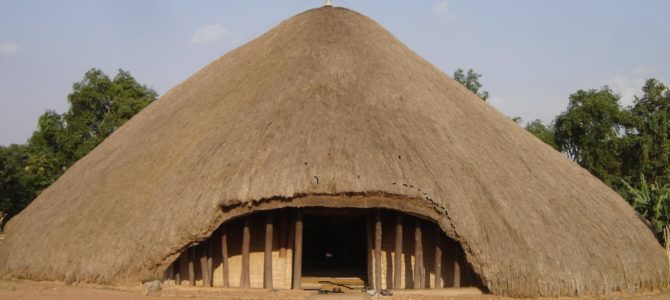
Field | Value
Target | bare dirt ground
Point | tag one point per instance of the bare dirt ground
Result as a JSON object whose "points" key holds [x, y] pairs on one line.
{"points": [[31, 290]]}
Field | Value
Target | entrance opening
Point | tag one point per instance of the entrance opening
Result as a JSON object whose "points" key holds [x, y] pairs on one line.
{"points": [[335, 246], [345, 248]]}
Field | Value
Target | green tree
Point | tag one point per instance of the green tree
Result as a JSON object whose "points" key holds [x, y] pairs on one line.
{"points": [[647, 141], [631, 144], [471, 82], [45, 160], [98, 106], [589, 131], [14, 188], [543, 132]]}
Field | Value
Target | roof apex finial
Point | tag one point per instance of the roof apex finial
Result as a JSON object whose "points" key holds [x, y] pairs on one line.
{"points": [[329, 3]]}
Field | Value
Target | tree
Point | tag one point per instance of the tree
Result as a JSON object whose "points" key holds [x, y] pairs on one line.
{"points": [[471, 82], [631, 144], [98, 106], [14, 191], [46, 159], [588, 132], [647, 141], [543, 132]]}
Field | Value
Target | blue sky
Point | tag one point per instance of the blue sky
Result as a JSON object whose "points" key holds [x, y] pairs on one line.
{"points": [[532, 53]]}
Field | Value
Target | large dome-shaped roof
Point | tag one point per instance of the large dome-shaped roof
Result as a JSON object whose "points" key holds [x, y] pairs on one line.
{"points": [[328, 106]]}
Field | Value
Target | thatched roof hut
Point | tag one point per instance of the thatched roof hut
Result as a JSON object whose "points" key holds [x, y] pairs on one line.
{"points": [[329, 110]]}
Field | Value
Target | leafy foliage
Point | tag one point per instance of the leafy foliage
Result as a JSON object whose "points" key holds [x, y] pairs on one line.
{"points": [[628, 148], [14, 186], [652, 202], [647, 139], [98, 106], [543, 132], [471, 82], [588, 132]]}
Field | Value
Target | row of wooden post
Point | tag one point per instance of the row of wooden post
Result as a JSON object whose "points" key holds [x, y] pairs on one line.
{"points": [[206, 262], [374, 254]]}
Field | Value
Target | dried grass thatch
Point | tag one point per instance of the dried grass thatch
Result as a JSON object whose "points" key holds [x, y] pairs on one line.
{"points": [[329, 109]]}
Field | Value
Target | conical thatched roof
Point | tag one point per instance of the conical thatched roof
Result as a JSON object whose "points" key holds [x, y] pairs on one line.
{"points": [[329, 94]]}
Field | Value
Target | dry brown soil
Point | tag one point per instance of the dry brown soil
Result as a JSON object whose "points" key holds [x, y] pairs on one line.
{"points": [[31, 290]]}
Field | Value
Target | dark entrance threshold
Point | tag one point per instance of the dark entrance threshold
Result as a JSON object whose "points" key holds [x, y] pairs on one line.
{"points": [[334, 246]]}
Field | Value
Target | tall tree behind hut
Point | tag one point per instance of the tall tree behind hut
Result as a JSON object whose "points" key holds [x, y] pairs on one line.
{"points": [[589, 130], [471, 82], [98, 106], [620, 145], [647, 138], [543, 132]]}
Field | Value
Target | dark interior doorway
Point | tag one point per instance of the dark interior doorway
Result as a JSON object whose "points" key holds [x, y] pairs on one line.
{"points": [[335, 244]]}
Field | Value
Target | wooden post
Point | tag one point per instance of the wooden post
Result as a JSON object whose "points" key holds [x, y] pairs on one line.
{"points": [[438, 257], [449, 253], [457, 265], [204, 263], [224, 256], [246, 241], [177, 269], [418, 256], [210, 263], [466, 272], [297, 253], [378, 250], [267, 266], [283, 232], [191, 265], [170, 275], [371, 254], [288, 261], [397, 262]]}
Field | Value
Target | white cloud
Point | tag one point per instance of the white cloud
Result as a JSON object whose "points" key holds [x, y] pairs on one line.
{"points": [[441, 7], [630, 84], [7, 49], [496, 101], [208, 34]]}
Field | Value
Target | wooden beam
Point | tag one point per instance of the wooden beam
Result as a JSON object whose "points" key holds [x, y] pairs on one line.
{"points": [[297, 253], [177, 269], [378, 250], [191, 265], [438, 257], [170, 275], [224, 257], [245, 279], [449, 257], [466, 271], [267, 266], [457, 265], [418, 256], [210, 263], [204, 270], [371, 254], [468, 276], [283, 232], [397, 261]]}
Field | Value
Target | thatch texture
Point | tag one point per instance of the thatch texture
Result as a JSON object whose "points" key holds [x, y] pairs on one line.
{"points": [[330, 109]]}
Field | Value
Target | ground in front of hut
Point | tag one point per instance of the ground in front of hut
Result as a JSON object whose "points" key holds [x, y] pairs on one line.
{"points": [[32, 290]]}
